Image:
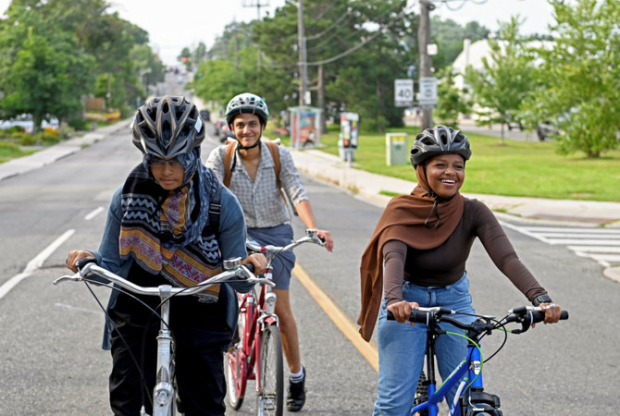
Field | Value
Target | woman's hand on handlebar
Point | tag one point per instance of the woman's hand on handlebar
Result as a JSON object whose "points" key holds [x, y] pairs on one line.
{"points": [[258, 260], [74, 256], [327, 238], [552, 314], [402, 310]]}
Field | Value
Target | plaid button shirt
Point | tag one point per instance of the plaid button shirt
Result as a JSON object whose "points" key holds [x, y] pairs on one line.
{"points": [[261, 201]]}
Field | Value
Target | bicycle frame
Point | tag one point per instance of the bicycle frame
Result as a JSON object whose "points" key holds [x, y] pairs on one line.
{"points": [[463, 373], [470, 397], [257, 314]]}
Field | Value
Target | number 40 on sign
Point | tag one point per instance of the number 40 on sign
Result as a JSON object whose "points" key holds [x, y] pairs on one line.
{"points": [[403, 92]]}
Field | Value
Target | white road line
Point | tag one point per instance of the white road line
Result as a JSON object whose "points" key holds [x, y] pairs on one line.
{"points": [[93, 214], [570, 241], [574, 230], [524, 231], [35, 263], [596, 249], [575, 235], [76, 308]]}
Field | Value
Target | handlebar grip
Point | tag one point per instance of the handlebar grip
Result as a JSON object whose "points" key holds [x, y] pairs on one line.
{"points": [[85, 261], [250, 267], [540, 316], [416, 316]]}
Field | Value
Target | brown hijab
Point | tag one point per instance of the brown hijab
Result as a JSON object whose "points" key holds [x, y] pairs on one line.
{"points": [[404, 220]]}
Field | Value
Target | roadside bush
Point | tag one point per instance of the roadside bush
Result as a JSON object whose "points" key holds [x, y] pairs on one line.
{"points": [[13, 129], [78, 123], [47, 137], [25, 139]]}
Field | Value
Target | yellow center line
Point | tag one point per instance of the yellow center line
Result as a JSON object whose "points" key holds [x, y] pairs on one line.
{"points": [[341, 321]]}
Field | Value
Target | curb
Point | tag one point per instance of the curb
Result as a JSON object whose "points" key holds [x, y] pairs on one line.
{"points": [[612, 273]]}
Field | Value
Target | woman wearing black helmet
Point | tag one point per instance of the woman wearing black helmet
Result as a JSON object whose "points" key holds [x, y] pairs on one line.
{"points": [[417, 255], [159, 231]]}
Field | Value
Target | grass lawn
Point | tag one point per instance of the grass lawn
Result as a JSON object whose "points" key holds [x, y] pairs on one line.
{"points": [[517, 168], [10, 150]]}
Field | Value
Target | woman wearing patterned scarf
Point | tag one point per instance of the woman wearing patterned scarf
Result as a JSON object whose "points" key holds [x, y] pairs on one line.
{"points": [[158, 231], [416, 257]]}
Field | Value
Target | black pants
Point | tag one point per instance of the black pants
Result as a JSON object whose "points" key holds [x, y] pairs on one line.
{"points": [[201, 336]]}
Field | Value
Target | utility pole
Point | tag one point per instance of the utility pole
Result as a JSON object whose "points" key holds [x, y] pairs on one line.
{"points": [[301, 47], [258, 5], [424, 37]]}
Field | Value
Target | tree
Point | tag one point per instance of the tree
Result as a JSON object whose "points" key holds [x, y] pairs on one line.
{"points": [[450, 100], [449, 37], [506, 79], [580, 77], [48, 74]]}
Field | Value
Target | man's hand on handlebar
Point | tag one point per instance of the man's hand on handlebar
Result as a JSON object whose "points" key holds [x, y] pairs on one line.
{"points": [[402, 310], [327, 239], [258, 260], [74, 256]]}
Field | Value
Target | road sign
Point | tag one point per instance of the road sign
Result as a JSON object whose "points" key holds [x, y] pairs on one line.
{"points": [[403, 92], [428, 92]]}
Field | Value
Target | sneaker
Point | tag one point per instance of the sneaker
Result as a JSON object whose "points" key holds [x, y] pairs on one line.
{"points": [[296, 397]]}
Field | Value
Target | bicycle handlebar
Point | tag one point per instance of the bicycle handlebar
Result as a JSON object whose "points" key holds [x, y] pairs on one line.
{"points": [[86, 267], [310, 237], [525, 315]]}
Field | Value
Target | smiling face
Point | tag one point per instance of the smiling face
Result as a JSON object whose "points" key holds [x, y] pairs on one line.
{"points": [[247, 129], [445, 174], [169, 173]]}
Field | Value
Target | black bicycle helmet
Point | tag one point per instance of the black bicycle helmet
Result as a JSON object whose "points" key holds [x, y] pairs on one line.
{"points": [[436, 141], [167, 127], [247, 103]]}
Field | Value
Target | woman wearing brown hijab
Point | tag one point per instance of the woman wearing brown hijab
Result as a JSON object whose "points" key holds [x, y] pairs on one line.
{"points": [[416, 257]]}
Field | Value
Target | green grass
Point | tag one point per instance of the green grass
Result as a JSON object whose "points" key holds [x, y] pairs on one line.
{"points": [[10, 150], [531, 169]]}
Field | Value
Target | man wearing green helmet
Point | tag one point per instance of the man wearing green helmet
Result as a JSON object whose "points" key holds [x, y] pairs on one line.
{"points": [[253, 180]]}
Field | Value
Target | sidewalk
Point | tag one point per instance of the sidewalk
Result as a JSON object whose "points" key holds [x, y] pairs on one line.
{"points": [[53, 153], [534, 211]]}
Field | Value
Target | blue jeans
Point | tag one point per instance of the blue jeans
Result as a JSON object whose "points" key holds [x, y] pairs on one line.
{"points": [[402, 347]]}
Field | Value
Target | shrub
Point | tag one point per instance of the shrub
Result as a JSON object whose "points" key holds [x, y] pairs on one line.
{"points": [[25, 139], [8, 145], [48, 137]]}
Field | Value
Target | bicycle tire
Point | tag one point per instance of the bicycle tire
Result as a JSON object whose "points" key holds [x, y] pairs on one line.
{"points": [[421, 394], [270, 398], [233, 370]]}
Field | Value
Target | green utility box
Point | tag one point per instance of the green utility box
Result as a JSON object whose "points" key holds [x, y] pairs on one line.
{"points": [[397, 149]]}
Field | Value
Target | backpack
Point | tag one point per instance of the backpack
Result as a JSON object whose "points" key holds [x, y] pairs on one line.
{"points": [[275, 155]]}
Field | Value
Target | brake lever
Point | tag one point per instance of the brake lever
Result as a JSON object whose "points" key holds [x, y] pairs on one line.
{"points": [[74, 278]]}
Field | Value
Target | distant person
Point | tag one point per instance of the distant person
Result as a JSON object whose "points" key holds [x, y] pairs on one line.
{"points": [[253, 180], [416, 257], [159, 231]]}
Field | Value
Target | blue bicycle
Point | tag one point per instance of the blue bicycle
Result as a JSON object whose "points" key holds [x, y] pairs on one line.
{"points": [[470, 398]]}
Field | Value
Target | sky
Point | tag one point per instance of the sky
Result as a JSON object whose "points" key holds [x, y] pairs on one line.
{"points": [[175, 24]]}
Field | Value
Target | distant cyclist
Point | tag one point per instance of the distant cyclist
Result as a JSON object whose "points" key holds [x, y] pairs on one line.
{"points": [[416, 257], [159, 231], [253, 180]]}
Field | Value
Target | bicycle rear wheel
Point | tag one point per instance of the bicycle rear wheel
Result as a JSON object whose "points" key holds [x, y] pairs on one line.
{"points": [[270, 400]]}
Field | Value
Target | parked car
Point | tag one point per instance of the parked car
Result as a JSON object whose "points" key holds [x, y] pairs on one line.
{"points": [[223, 131], [206, 115], [25, 121], [546, 130]]}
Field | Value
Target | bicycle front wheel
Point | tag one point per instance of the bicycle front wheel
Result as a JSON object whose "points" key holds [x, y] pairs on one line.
{"points": [[270, 400], [234, 370]]}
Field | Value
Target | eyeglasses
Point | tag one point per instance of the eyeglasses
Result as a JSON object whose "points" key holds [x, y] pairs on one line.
{"points": [[160, 163]]}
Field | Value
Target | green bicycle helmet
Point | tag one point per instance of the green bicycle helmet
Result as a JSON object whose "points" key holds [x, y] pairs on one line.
{"points": [[247, 103], [436, 141], [167, 127]]}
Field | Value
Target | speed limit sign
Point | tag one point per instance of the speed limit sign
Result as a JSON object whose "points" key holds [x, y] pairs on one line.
{"points": [[403, 92]]}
